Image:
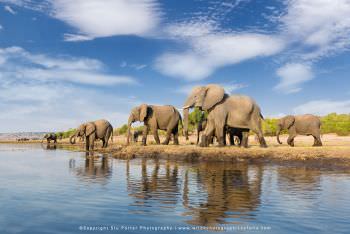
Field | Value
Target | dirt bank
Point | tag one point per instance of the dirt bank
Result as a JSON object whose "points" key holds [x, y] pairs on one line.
{"points": [[334, 154]]}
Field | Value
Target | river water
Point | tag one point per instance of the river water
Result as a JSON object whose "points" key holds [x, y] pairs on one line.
{"points": [[58, 190]]}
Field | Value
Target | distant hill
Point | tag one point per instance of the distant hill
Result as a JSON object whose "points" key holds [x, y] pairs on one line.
{"points": [[16, 135]]}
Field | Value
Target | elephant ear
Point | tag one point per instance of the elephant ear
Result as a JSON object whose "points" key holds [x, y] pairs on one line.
{"points": [[90, 129], [143, 112], [289, 121], [214, 94]]}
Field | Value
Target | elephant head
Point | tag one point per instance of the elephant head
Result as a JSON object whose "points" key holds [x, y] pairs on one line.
{"points": [[84, 129], [284, 123], [139, 113], [204, 97]]}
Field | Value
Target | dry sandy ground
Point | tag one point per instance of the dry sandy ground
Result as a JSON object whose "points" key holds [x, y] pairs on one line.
{"points": [[334, 154]]}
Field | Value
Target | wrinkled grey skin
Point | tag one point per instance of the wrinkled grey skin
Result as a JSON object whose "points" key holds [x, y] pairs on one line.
{"points": [[300, 125], [156, 117], [50, 137], [233, 111], [99, 129]]}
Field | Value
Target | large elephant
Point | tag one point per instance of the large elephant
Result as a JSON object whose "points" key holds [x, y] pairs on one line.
{"points": [[50, 137], [300, 125], [99, 129], [154, 118], [224, 110]]}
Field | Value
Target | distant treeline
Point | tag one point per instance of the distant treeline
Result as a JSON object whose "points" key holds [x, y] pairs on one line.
{"points": [[331, 123]]}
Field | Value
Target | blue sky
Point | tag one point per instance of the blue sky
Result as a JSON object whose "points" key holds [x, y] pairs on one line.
{"points": [[64, 62]]}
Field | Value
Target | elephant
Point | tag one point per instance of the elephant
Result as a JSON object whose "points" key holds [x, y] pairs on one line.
{"points": [[300, 125], [235, 134], [156, 117], [136, 134], [50, 137], [233, 111], [99, 129]]}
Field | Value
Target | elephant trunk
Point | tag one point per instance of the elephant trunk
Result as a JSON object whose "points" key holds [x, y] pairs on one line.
{"points": [[73, 138], [130, 121], [278, 131], [185, 125]]}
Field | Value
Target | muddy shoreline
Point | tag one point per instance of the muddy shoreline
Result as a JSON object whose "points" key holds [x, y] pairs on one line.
{"points": [[326, 157]]}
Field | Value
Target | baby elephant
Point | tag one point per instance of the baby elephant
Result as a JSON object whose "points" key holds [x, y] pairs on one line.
{"points": [[300, 125], [156, 117], [50, 137], [136, 134], [99, 129]]}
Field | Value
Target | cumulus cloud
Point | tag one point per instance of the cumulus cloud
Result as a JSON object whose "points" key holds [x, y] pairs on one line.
{"points": [[95, 18], [322, 27], [292, 75], [209, 52], [323, 107]]}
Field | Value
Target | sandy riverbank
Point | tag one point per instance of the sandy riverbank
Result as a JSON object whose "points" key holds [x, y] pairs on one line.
{"points": [[334, 154]]}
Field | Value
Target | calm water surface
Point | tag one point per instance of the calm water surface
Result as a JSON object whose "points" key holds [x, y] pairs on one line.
{"points": [[57, 190]]}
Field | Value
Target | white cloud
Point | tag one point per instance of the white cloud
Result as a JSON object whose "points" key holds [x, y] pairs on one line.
{"points": [[292, 75], [95, 18], [42, 90], [323, 107], [10, 10], [209, 52], [76, 37], [322, 25], [18, 64]]}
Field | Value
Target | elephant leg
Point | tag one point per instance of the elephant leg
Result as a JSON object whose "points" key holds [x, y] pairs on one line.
{"points": [[207, 134], [87, 145], [167, 138], [144, 134], [219, 132], [176, 136], [232, 138], [244, 141], [317, 140], [255, 126], [156, 136], [103, 143], [170, 128], [198, 136], [290, 140], [107, 136], [92, 141]]}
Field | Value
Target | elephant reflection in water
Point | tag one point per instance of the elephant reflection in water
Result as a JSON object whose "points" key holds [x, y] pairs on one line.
{"points": [[301, 179], [93, 169], [209, 192], [229, 189], [161, 183]]}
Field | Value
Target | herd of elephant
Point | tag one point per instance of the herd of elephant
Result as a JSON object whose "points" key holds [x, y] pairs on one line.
{"points": [[235, 115]]}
